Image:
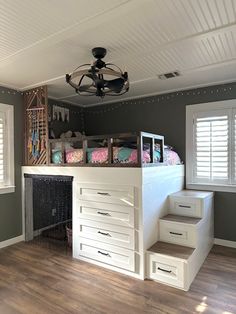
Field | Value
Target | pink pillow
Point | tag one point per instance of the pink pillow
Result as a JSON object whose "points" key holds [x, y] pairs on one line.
{"points": [[74, 156], [133, 157], [100, 155]]}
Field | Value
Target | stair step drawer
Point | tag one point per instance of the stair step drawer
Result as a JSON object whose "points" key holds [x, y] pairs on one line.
{"points": [[183, 206], [108, 254], [108, 213], [115, 235], [177, 233], [166, 269], [112, 194]]}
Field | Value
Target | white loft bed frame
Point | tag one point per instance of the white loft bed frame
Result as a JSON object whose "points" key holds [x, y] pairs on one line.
{"points": [[151, 185]]}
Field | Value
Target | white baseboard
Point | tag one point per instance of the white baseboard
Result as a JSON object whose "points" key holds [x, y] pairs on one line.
{"points": [[11, 241], [22, 238], [225, 243]]}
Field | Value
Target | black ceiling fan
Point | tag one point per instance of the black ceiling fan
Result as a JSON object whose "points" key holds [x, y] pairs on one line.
{"points": [[97, 77]]}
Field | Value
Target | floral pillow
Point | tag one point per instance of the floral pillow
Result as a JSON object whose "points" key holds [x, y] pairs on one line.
{"points": [[74, 156]]}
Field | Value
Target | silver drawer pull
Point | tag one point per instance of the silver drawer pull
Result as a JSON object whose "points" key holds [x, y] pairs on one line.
{"points": [[185, 206], [106, 254], [103, 193], [162, 269], [175, 233], [104, 214], [105, 233]]}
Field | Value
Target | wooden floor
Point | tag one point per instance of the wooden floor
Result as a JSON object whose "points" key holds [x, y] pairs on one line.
{"points": [[35, 279]]}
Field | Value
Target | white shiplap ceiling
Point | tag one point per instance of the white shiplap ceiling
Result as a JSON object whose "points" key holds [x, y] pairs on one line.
{"points": [[40, 41]]}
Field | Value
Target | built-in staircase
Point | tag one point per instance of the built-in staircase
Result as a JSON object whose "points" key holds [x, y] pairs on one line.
{"points": [[185, 239]]}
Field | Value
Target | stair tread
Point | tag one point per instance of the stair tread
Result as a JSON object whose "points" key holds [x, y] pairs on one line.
{"points": [[192, 194], [182, 219], [173, 250]]}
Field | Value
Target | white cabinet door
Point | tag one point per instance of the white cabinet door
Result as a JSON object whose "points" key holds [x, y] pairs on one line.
{"points": [[116, 235], [177, 233], [107, 253], [112, 194], [107, 213], [165, 269]]}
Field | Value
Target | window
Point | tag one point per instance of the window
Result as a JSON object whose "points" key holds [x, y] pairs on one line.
{"points": [[6, 149], [210, 146]]}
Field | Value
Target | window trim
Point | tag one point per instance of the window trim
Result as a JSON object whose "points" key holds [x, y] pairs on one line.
{"points": [[9, 184], [192, 110]]}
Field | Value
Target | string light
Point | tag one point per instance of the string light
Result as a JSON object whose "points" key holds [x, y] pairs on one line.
{"points": [[154, 99], [15, 92], [117, 106]]}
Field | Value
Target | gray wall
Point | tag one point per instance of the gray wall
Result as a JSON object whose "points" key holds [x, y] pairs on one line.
{"points": [[161, 114], [76, 122], [165, 114], [10, 204]]}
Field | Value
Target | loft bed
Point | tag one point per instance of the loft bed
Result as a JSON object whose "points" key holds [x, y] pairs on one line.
{"points": [[134, 149]]}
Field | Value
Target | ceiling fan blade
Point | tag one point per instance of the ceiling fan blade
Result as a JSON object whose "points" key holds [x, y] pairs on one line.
{"points": [[97, 79], [115, 85], [89, 76], [97, 82], [84, 88]]}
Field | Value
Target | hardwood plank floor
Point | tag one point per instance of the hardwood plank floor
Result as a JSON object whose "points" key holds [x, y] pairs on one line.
{"points": [[37, 280]]}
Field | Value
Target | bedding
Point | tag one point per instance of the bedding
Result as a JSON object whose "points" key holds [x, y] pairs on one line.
{"points": [[56, 156], [120, 155], [171, 158], [74, 156]]}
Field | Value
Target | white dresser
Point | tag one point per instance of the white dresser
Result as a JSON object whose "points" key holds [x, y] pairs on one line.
{"points": [[106, 224], [115, 215]]}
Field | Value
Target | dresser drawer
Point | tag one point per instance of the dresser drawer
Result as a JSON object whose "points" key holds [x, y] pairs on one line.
{"points": [[166, 270], [115, 235], [186, 207], [112, 194], [176, 233], [108, 213], [108, 254]]}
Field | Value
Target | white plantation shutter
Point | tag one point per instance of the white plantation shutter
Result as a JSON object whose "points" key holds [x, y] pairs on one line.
{"points": [[2, 148], [234, 147], [212, 147], [7, 172]]}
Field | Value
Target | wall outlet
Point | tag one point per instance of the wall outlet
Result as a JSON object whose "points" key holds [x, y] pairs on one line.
{"points": [[54, 211]]}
